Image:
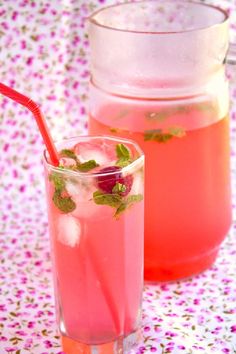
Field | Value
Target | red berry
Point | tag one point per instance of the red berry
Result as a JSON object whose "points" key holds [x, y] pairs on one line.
{"points": [[107, 183]]}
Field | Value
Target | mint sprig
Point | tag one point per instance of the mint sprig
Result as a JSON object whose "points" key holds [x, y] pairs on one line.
{"points": [[87, 166], [82, 167], [123, 162], [128, 202], [61, 199], [112, 200], [123, 155], [121, 208], [156, 135], [122, 151], [116, 201], [68, 153], [58, 181], [63, 203], [161, 136]]}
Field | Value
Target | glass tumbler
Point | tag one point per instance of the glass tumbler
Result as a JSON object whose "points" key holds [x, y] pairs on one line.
{"points": [[96, 221], [158, 77]]}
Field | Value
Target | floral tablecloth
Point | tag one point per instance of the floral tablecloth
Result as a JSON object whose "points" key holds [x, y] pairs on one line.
{"points": [[44, 53]]}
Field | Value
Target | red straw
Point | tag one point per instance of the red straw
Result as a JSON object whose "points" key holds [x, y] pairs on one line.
{"points": [[34, 108]]}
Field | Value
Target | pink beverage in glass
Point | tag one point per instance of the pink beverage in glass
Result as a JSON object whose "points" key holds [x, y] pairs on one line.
{"points": [[158, 77], [95, 206]]}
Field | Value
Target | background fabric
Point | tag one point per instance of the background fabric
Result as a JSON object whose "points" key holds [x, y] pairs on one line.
{"points": [[44, 54]]}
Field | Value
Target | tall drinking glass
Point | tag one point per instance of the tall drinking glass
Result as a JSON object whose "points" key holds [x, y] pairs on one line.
{"points": [[158, 77], [95, 206]]}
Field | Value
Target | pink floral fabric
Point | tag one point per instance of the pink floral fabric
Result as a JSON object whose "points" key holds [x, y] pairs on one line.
{"points": [[44, 54]]}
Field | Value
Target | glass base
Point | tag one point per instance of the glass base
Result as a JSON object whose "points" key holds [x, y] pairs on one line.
{"points": [[181, 270], [122, 345]]}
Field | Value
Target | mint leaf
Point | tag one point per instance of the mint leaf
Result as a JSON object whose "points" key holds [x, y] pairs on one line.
{"points": [[135, 198], [82, 167], [123, 154], [162, 137], [112, 200], [119, 188], [156, 135], [58, 181], [151, 134], [68, 153], [116, 200], [128, 202], [122, 151], [65, 204], [123, 206], [123, 161], [87, 166]]}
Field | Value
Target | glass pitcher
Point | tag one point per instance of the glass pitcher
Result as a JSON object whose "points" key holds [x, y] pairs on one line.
{"points": [[158, 77]]}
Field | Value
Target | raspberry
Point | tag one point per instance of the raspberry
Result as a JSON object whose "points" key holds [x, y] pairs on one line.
{"points": [[107, 183]]}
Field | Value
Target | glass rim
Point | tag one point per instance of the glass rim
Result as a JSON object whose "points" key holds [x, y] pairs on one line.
{"points": [[93, 21], [132, 166]]}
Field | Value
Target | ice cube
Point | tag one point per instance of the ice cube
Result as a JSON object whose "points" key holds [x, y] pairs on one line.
{"points": [[73, 187], [69, 230], [94, 151], [99, 156]]}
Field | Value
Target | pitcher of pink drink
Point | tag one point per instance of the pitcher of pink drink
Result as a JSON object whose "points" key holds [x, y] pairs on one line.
{"points": [[158, 77]]}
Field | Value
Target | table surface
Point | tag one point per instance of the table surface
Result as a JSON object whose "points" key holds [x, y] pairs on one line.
{"points": [[191, 316], [197, 315]]}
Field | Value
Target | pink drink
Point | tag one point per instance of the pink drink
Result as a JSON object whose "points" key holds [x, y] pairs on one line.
{"points": [[188, 206], [97, 255], [158, 77]]}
